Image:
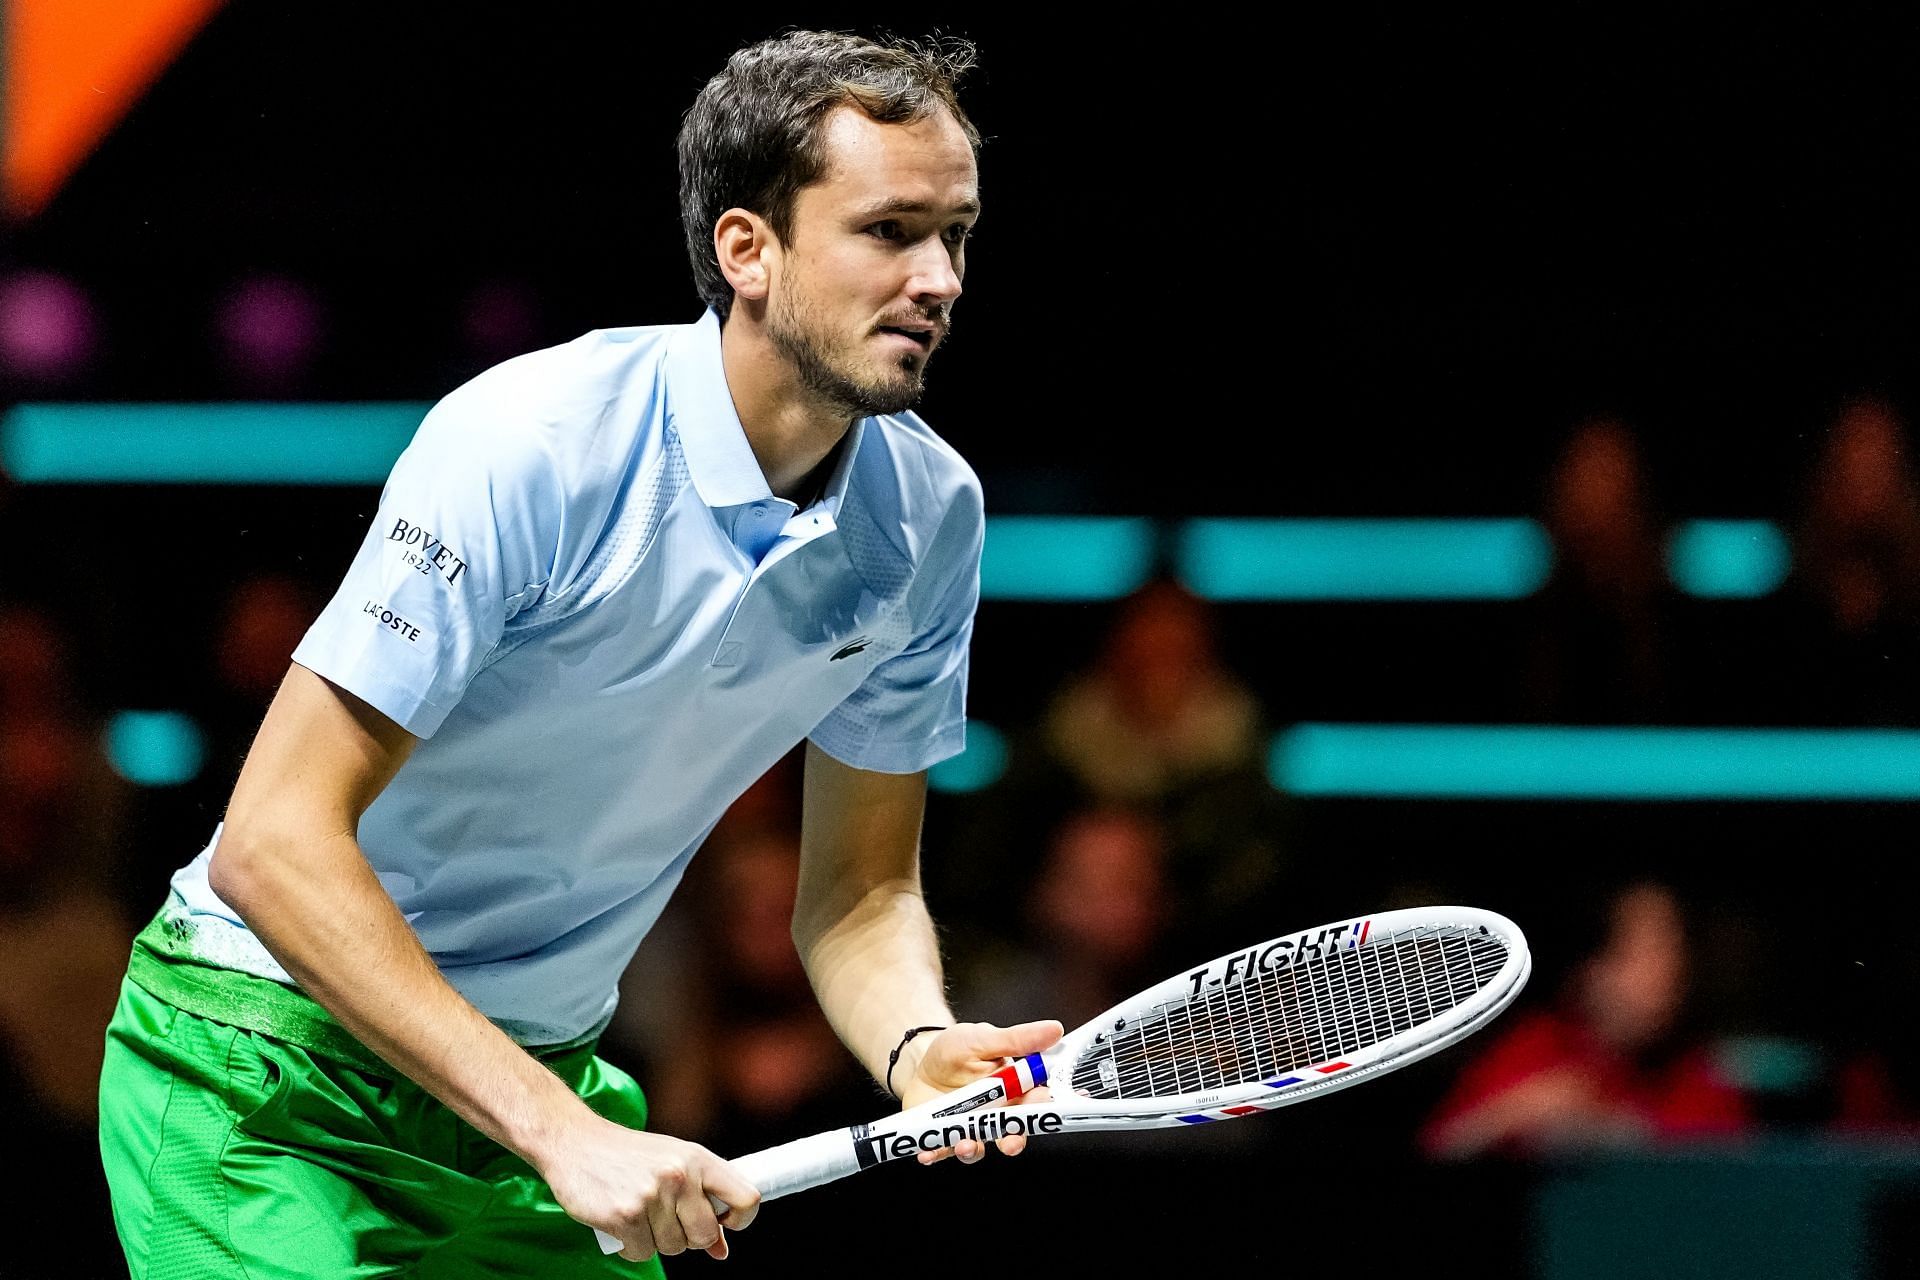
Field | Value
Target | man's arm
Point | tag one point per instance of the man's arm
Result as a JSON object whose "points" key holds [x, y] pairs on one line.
{"points": [[863, 930], [288, 861]]}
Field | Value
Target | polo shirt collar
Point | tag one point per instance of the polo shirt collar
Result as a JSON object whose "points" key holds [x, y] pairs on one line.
{"points": [[700, 408]]}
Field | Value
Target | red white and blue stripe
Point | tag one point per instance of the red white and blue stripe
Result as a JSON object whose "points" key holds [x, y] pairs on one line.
{"points": [[1227, 1113]]}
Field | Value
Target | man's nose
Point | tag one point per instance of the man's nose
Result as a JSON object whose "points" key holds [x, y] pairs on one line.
{"points": [[936, 277]]}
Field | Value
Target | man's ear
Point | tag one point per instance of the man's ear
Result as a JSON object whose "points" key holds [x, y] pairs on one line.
{"points": [[743, 242]]}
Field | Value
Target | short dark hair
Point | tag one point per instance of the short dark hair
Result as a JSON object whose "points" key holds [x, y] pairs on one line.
{"points": [[753, 137]]}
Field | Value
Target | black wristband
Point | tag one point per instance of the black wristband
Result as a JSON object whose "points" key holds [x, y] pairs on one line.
{"points": [[894, 1057]]}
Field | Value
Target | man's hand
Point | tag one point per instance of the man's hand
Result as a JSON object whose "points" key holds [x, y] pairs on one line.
{"points": [[964, 1053], [648, 1189]]}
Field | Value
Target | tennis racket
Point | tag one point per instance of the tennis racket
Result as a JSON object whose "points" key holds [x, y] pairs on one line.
{"points": [[1293, 1018]]}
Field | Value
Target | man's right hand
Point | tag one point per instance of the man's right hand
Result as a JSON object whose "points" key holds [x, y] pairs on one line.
{"points": [[648, 1190]]}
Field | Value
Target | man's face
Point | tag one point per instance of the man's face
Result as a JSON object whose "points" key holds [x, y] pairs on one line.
{"points": [[870, 271]]}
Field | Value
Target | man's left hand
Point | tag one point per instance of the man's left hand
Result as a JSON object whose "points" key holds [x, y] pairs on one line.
{"points": [[966, 1052]]}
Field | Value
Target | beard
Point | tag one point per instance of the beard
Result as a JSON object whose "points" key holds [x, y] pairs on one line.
{"points": [[838, 374]]}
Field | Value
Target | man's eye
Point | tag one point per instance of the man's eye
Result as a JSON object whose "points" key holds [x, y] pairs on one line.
{"points": [[888, 230], [959, 233]]}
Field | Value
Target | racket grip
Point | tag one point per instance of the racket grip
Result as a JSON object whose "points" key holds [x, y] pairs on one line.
{"points": [[797, 1166], [782, 1170]]}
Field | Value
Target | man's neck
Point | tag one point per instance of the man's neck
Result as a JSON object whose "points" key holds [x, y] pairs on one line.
{"points": [[791, 432]]}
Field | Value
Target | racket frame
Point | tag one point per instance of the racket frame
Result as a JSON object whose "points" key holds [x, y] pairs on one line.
{"points": [[1313, 1080], [970, 1112]]}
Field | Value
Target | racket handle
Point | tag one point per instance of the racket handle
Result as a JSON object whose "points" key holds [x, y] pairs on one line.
{"points": [[783, 1170]]}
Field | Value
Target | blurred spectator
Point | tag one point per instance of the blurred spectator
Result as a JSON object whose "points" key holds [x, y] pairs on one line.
{"points": [[1158, 709], [58, 797], [1158, 724], [64, 937], [259, 625], [1600, 635], [1095, 921], [1849, 621], [264, 619], [1614, 1060]]}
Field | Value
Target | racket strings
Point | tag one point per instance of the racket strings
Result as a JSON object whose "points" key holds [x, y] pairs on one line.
{"points": [[1285, 1019]]}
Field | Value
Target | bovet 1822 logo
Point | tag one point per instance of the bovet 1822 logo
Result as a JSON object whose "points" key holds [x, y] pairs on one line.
{"points": [[433, 556]]}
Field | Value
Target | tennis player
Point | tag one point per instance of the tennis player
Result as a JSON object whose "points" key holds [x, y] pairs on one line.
{"points": [[609, 584]]}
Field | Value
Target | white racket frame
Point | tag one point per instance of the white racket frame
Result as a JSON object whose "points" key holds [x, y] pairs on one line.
{"points": [[826, 1157]]}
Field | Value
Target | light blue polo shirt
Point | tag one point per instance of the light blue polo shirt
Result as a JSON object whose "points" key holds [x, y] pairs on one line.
{"points": [[581, 594]]}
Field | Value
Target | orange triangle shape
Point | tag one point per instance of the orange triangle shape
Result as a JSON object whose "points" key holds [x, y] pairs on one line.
{"points": [[73, 68]]}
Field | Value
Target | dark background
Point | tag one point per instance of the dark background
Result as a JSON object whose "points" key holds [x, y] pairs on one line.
{"points": [[1348, 264], [1361, 264]]}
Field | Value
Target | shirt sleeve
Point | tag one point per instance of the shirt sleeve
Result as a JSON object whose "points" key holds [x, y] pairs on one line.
{"points": [[910, 712], [466, 535]]}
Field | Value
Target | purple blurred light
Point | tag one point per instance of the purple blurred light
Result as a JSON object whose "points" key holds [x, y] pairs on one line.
{"points": [[269, 329], [47, 326], [501, 318]]}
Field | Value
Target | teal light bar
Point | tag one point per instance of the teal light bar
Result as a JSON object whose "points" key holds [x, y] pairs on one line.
{"points": [[979, 766], [1728, 559], [1062, 558], [155, 748], [205, 443], [1363, 559], [1527, 762], [1065, 557]]}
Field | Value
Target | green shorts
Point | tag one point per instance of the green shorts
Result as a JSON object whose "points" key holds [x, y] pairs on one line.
{"points": [[230, 1152]]}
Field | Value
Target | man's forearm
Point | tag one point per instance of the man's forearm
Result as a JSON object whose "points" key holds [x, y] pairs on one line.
{"points": [[323, 914], [875, 968]]}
